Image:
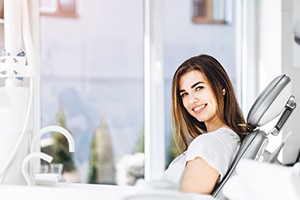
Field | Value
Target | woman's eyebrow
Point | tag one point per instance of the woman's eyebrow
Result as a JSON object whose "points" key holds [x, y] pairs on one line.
{"points": [[194, 85], [183, 90]]}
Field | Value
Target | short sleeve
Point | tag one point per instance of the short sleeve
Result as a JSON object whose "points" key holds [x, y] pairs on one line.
{"points": [[218, 149]]}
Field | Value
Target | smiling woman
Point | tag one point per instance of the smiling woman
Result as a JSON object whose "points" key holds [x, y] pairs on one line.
{"points": [[208, 122]]}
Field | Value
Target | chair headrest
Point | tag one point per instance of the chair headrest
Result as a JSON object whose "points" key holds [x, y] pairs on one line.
{"points": [[271, 101]]}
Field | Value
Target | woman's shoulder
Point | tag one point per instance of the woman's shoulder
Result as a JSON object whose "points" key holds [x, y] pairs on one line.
{"points": [[226, 132], [222, 134]]}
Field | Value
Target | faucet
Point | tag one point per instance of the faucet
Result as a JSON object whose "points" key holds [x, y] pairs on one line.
{"points": [[52, 128], [28, 173], [25, 165]]}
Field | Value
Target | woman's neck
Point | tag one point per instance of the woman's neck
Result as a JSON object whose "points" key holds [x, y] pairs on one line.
{"points": [[215, 124]]}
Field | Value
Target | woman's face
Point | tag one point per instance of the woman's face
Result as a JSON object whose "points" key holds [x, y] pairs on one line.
{"points": [[198, 99]]}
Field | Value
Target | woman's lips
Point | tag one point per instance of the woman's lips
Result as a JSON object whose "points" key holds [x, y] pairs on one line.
{"points": [[199, 109]]}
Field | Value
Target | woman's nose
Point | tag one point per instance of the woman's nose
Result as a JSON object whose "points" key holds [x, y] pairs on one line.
{"points": [[193, 99]]}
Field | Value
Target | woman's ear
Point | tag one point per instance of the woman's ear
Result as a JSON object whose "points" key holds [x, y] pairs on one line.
{"points": [[224, 91]]}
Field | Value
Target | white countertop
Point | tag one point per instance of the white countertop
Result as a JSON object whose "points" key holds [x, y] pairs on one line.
{"points": [[65, 191]]}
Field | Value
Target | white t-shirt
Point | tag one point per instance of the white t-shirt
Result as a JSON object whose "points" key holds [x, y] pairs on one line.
{"points": [[217, 148]]}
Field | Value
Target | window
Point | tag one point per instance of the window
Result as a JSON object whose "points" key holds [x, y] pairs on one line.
{"points": [[92, 84], [95, 82]]}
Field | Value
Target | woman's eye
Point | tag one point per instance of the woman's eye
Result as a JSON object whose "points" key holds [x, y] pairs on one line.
{"points": [[199, 88], [183, 94]]}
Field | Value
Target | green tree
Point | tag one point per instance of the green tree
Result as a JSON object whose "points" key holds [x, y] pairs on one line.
{"points": [[140, 144], [93, 170], [101, 165], [173, 150], [60, 147]]}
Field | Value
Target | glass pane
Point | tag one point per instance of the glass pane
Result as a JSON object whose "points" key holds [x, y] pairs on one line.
{"points": [[92, 84]]}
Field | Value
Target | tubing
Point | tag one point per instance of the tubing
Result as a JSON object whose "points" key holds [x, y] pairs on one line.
{"points": [[12, 155]]}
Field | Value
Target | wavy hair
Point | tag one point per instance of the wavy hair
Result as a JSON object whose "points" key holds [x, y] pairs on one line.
{"points": [[185, 126]]}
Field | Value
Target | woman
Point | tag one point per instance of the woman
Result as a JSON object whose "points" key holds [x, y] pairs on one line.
{"points": [[207, 122]]}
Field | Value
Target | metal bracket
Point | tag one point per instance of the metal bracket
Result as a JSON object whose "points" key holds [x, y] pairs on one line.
{"points": [[288, 109]]}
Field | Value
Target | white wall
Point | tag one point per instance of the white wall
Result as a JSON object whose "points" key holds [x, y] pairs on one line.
{"points": [[274, 56], [289, 13], [269, 52]]}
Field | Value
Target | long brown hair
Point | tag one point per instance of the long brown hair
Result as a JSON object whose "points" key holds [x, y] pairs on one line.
{"points": [[185, 126]]}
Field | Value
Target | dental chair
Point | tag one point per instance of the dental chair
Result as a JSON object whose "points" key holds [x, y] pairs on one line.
{"points": [[275, 101]]}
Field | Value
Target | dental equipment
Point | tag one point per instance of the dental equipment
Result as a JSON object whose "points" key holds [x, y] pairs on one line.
{"points": [[274, 155], [296, 31], [19, 119], [276, 100], [15, 97]]}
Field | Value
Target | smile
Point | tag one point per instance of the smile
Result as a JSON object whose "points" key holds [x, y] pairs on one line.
{"points": [[199, 108]]}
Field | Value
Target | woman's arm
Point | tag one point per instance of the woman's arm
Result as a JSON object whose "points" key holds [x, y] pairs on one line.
{"points": [[199, 177]]}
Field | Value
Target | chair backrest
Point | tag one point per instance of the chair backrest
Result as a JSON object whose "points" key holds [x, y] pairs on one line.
{"points": [[269, 104], [252, 146]]}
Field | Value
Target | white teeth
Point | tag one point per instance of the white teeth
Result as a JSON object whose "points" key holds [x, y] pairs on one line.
{"points": [[198, 108]]}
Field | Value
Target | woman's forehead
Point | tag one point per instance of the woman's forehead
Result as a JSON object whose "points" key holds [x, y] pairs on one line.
{"points": [[192, 77]]}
